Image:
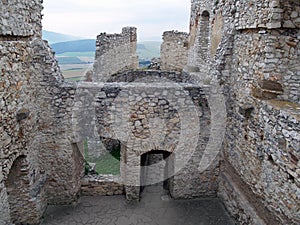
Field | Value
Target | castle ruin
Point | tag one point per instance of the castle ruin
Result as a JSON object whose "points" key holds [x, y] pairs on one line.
{"points": [[230, 102]]}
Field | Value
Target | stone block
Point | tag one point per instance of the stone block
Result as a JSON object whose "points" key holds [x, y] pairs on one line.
{"points": [[289, 24], [274, 25]]}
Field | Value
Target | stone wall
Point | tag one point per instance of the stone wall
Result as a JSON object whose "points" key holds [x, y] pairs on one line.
{"points": [[150, 76], [174, 51], [267, 14], [199, 41], [256, 61], [30, 125], [19, 127], [103, 185], [274, 62], [252, 66], [115, 53], [265, 62], [20, 18], [265, 151], [154, 111]]}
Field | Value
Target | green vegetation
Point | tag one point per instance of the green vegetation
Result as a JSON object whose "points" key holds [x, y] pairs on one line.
{"points": [[87, 167], [106, 164], [109, 163]]}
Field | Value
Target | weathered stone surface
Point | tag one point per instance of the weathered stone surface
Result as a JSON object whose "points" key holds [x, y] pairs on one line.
{"points": [[104, 185], [174, 51], [115, 53], [20, 18], [255, 64], [158, 115]]}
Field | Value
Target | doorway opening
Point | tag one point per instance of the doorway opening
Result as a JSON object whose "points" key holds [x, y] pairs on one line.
{"points": [[157, 169], [17, 187]]}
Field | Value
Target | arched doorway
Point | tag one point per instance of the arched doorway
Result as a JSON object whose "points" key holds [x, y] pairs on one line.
{"points": [[157, 168], [24, 193]]}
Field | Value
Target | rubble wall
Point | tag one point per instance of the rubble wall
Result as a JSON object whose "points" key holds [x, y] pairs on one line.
{"points": [[35, 145], [256, 62], [174, 51], [115, 53]]}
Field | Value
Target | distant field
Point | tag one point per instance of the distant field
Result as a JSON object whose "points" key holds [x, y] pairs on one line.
{"points": [[75, 79], [75, 64], [78, 54], [73, 73], [75, 70], [62, 60]]}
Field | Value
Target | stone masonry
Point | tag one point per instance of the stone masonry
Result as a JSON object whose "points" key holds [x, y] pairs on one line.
{"points": [[174, 50], [255, 59], [39, 162], [115, 53], [227, 125], [154, 111]]}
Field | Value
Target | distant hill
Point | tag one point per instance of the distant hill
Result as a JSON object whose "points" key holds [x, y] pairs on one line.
{"points": [[146, 50], [53, 37], [85, 45]]}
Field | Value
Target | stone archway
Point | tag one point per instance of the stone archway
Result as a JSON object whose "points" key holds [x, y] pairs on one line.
{"points": [[24, 201], [157, 167]]}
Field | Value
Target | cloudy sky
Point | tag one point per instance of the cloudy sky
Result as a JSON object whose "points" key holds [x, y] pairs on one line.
{"points": [[87, 18]]}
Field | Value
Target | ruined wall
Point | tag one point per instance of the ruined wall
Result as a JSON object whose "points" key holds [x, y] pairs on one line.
{"points": [[19, 113], [30, 81], [199, 38], [153, 112], [115, 53], [174, 51], [256, 61], [19, 18], [102, 185]]}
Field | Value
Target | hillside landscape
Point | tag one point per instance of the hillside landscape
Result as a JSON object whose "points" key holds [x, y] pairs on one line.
{"points": [[75, 55]]}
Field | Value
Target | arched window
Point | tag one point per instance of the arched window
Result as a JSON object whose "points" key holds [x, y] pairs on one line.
{"points": [[204, 37]]}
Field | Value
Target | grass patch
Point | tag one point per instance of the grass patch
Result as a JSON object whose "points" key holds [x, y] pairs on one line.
{"points": [[109, 163], [106, 164]]}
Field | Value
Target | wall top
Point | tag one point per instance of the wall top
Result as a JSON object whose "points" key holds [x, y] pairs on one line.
{"points": [[21, 17]]}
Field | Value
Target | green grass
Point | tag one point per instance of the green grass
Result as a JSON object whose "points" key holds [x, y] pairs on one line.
{"points": [[107, 164]]}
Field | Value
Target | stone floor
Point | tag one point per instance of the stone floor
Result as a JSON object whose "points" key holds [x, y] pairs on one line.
{"points": [[155, 208]]}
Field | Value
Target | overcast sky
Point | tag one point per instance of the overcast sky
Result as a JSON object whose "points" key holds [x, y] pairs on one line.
{"points": [[88, 18]]}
